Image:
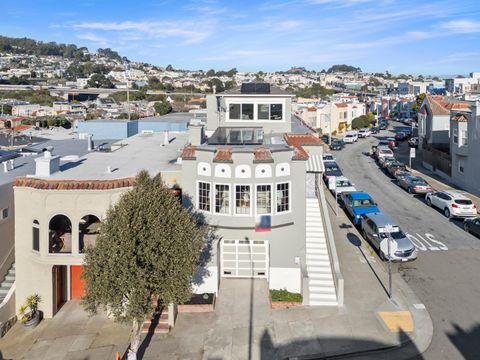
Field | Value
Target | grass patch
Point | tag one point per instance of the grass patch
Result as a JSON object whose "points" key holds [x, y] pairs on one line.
{"points": [[284, 295]]}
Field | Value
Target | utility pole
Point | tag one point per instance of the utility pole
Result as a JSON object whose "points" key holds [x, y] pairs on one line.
{"points": [[128, 92], [389, 229]]}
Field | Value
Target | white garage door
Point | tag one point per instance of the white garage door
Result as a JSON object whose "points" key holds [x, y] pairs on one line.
{"points": [[244, 258]]}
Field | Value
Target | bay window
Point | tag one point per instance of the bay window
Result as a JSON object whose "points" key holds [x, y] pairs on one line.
{"points": [[222, 199], [242, 199], [283, 197], [264, 199], [204, 196]]}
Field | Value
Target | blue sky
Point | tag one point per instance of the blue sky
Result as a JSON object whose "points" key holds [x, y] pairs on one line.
{"points": [[428, 37]]}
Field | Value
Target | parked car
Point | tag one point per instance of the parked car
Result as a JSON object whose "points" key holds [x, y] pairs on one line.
{"points": [[392, 143], [400, 136], [331, 169], [328, 157], [383, 162], [383, 142], [374, 230], [337, 144], [358, 203], [395, 167], [383, 152], [413, 142], [326, 139], [339, 184], [414, 184], [350, 137], [383, 125], [375, 130], [364, 133], [472, 225], [452, 203]]}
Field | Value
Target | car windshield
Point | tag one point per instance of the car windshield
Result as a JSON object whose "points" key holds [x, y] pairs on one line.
{"points": [[396, 235], [418, 181], [328, 157], [364, 203], [348, 135], [386, 152], [464, 202], [332, 168], [343, 183]]}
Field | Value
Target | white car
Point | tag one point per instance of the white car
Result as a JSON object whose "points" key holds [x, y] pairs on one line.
{"points": [[364, 133], [350, 137], [339, 184], [452, 203]]}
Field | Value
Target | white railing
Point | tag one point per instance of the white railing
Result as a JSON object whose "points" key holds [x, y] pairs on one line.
{"points": [[332, 250]]}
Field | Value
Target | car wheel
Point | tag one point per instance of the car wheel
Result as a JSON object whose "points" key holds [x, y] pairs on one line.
{"points": [[382, 256], [364, 234], [429, 202], [409, 190], [465, 227], [447, 212]]}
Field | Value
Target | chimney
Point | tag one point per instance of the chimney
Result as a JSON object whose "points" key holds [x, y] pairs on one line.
{"points": [[47, 164], [165, 138], [89, 142], [195, 133]]}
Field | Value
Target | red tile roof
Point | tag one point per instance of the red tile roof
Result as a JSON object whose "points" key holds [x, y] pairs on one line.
{"points": [[223, 155], [298, 141], [262, 155], [188, 152], [341, 105], [22, 127], [74, 184], [435, 107], [311, 109], [460, 118]]}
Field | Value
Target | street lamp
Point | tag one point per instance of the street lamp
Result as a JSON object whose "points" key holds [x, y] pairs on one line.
{"points": [[389, 229]]}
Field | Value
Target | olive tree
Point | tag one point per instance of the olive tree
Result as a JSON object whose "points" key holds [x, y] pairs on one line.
{"points": [[148, 248]]}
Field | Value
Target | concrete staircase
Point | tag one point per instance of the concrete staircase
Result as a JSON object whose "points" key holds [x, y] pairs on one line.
{"points": [[320, 279], [158, 324], [7, 283]]}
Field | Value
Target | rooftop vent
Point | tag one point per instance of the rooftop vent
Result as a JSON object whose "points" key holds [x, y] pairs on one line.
{"points": [[255, 88]]}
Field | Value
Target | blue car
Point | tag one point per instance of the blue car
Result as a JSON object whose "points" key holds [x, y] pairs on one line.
{"points": [[358, 203]]}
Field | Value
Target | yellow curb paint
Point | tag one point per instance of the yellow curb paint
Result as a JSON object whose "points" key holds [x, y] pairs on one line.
{"points": [[397, 320]]}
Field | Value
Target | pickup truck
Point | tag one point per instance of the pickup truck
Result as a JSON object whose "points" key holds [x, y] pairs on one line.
{"points": [[357, 203]]}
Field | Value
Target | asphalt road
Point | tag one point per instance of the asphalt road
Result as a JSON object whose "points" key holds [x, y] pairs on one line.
{"points": [[446, 275]]}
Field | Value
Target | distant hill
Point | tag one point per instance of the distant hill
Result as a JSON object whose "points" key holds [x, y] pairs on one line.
{"points": [[40, 48], [343, 68]]}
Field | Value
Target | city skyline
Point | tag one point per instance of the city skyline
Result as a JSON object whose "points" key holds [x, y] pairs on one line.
{"points": [[431, 39]]}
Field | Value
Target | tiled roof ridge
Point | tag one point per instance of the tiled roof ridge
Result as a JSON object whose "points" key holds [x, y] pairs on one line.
{"points": [[43, 184], [223, 154], [188, 152], [435, 107], [263, 154]]}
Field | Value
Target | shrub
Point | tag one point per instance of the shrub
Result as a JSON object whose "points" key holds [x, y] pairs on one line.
{"points": [[284, 295], [30, 308]]}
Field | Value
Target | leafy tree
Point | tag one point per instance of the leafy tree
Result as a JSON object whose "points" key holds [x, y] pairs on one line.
{"points": [[362, 121], [147, 250], [6, 109], [124, 115], [219, 87], [418, 102], [99, 81], [169, 68], [343, 68], [210, 73], [316, 90], [109, 53], [162, 107]]}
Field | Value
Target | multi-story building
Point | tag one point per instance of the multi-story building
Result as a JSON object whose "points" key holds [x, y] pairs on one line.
{"points": [[462, 85], [251, 178], [465, 147]]}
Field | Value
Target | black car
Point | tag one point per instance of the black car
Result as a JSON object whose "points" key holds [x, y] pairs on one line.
{"points": [[400, 136], [383, 125], [337, 144], [472, 225], [326, 139], [331, 169], [375, 130]]}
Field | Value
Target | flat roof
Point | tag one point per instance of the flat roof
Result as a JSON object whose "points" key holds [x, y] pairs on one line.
{"points": [[127, 158]]}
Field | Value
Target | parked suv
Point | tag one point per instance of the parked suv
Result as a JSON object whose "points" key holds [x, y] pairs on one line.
{"points": [[383, 152], [339, 184], [350, 137], [363, 133], [452, 203], [374, 229]]}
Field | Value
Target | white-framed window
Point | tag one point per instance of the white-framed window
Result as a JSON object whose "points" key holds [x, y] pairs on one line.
{"points": [[263, 199], [241, 111], [204, 196], [36, 235], [222, 199], [243, 196], [283, 197], [455, 136], [4, 214], [269, 111], [463, 138]]}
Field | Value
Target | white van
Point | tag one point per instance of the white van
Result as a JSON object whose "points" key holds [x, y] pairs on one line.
{"points": [[350, 137]]}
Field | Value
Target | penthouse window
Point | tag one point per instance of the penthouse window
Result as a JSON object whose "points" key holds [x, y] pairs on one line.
{"points": [[242, 199], [283, 197], [264, 199], [204, 196], [269, 111], [240, 112]]}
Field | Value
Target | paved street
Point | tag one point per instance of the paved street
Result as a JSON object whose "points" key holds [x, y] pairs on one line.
{"points": [[445, 275]]}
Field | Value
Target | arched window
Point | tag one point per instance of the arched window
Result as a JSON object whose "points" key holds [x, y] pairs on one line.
{"points": [[36, 235], [60, 235], [89, 227]]}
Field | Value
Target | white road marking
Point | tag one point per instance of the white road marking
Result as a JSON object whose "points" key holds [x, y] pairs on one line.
{"points": [[419, 306], [422, 244]]}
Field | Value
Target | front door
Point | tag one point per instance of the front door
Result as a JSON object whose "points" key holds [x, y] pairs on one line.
{"points": [[59, 279], [77, 282]]}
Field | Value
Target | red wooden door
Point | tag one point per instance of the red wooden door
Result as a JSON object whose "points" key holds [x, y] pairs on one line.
{"points": [[77, 282]]}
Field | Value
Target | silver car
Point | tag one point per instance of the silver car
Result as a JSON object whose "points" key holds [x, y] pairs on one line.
{"points": [[375, 228]]}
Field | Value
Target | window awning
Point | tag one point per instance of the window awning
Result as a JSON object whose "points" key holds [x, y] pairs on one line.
{"points": [[315, 164]]}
